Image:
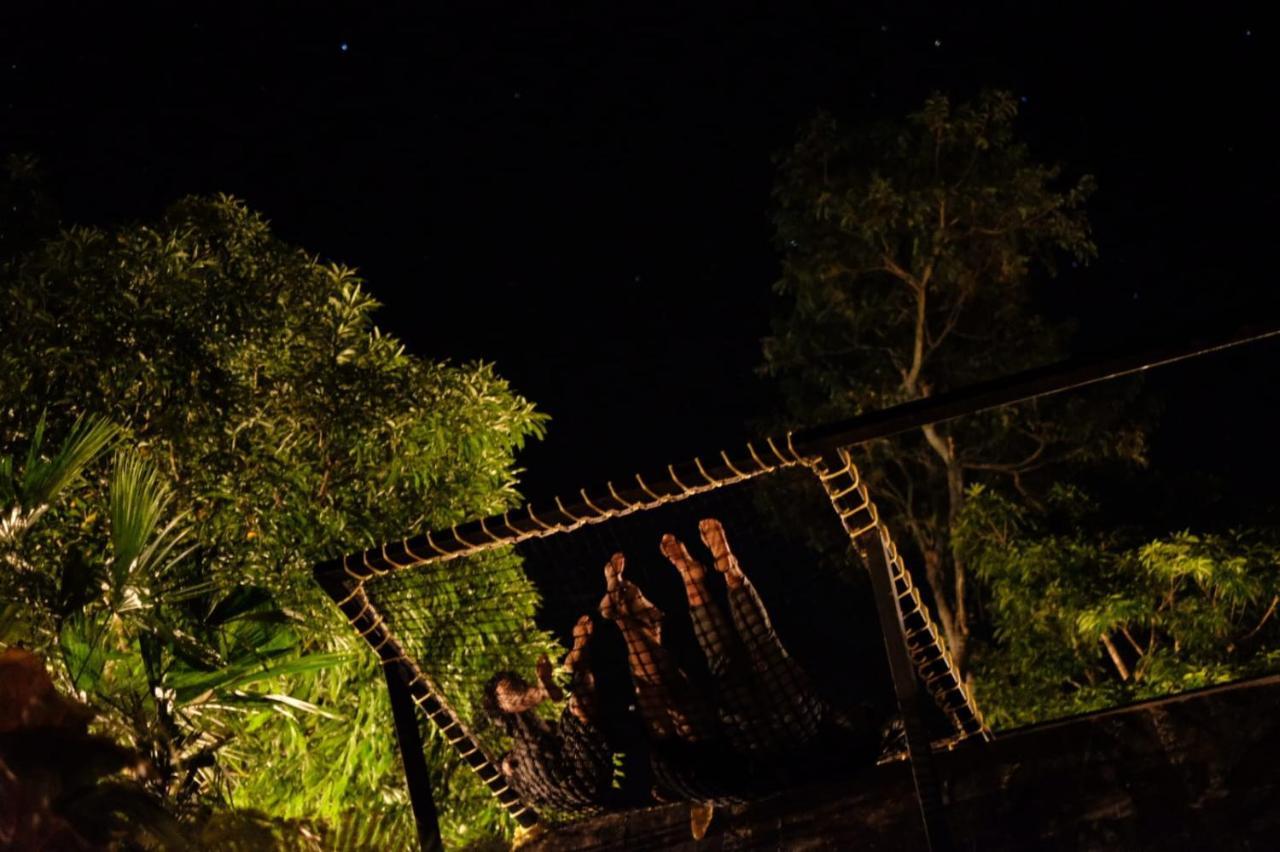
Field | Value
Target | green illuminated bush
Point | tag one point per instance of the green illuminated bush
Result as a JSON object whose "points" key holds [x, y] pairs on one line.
{"points": [[1085, 617], [266, 424]]}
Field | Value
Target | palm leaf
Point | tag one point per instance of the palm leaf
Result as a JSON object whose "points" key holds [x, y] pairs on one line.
{"points": [[25, 497], [191, 685], [43, 480], [141, 549]]}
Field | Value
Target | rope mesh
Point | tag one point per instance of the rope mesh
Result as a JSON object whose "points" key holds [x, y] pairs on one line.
{"points": [[455, 610]]}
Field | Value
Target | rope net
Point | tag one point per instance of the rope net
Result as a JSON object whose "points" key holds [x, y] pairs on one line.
{"points": [[707, 642]]}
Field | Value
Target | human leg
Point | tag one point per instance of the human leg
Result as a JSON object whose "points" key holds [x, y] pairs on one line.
{"points": [[664, 697], [785, 687], [739, 710]]}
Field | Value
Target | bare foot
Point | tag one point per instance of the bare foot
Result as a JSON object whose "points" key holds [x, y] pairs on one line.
{"points": [[679, 556], [725, 562], [582, 631], [700, 814], [613, 571], [581, 635], [610, 603], [623, 598], [691, 570]]}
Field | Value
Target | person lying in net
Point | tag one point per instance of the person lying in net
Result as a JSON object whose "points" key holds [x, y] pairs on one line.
{"points": [[766, 701], [687, 752], [567, 766]]}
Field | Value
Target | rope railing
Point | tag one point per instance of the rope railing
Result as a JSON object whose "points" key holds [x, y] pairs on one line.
{"points": [[843, 486], [344, 578], [369, 624], [679, 482], [933, 662], [684, 480]]}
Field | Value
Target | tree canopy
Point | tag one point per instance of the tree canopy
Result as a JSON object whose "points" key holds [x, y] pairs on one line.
{"points": [[912, 257], [265, 423], [1087, 615], [910, 253]]}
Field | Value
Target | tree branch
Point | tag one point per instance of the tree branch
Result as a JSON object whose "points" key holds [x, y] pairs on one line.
{"points": [[1129, 636], [937, 442], [1271, 609], [953, 319], [911, 379], [891, 266], [1012, 467], [1114, 652]]}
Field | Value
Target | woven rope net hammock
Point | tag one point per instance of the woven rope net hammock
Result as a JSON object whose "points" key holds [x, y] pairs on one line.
{"points": [[708, 634]]}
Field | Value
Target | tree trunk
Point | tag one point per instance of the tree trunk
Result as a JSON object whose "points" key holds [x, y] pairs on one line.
{"points": [[955, 499], [949, 596], [935, 576]]}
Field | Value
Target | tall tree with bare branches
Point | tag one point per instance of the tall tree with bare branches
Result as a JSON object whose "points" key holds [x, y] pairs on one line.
{"points": [[910, 254]]}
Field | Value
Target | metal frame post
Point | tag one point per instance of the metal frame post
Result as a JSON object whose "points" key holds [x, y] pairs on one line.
{"points": [[907, 691], [412, 755]]}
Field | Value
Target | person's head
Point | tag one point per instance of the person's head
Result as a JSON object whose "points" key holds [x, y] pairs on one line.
{"points": [[501, 692]]}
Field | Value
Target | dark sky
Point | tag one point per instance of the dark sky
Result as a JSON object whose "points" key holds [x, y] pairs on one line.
{"points": [[582, 194]]}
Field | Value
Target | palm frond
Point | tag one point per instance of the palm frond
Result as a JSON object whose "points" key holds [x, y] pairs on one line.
{"points": [[192, 685], [138, 499], [141, 549], [43, 480], [26, 495]]}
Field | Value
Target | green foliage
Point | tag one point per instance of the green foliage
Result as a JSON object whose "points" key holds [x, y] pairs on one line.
{"points": [[25, 495], [1083, 619], [142, 552], [28, 491], [164, 675], [911, 252], [270, 426], [939, 221]]}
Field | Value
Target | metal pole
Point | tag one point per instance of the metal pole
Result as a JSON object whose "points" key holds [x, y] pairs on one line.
{"points": [[415, 763], [1021, 387], [817, 441], [907, 689]]}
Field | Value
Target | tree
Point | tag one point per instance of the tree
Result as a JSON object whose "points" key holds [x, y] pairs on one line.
{"points": [[1085, 616], [168, 663], [281, 427], [910, 253]]}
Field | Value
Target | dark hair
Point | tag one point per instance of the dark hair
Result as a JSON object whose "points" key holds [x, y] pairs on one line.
{"points": [[490, 701]]}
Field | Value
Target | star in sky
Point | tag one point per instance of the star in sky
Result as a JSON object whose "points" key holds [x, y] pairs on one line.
{"points": [[344, 47]]}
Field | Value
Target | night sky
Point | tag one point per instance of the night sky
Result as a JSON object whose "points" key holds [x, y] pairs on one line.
{"points": [[581, 195]]}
